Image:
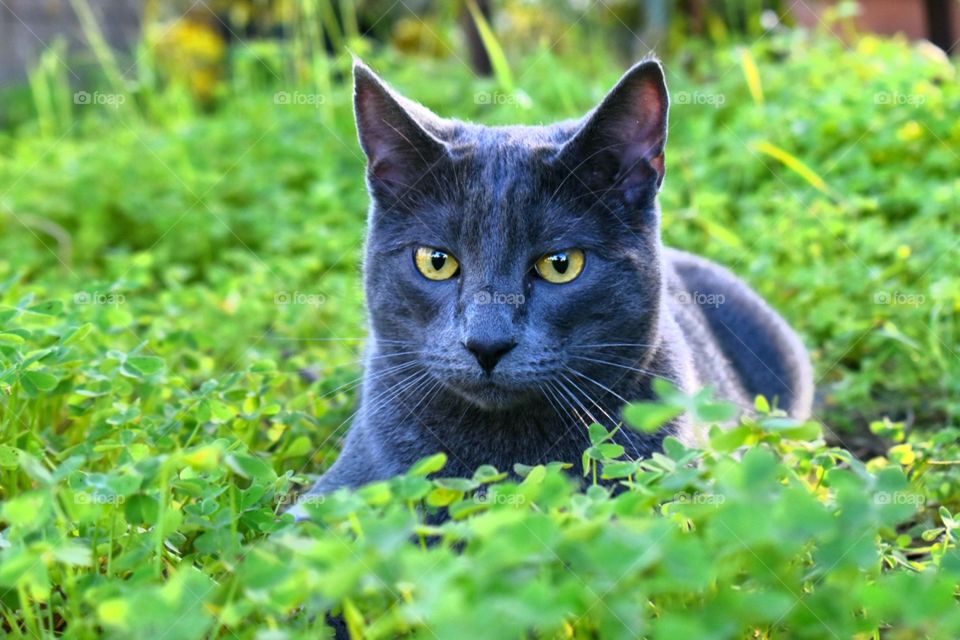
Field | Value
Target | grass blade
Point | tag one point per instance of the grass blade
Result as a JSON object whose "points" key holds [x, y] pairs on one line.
{"points": [[793, 163], [501, 67]]}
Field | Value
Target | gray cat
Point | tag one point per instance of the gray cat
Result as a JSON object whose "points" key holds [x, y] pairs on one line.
{"points": [[518, 290]]}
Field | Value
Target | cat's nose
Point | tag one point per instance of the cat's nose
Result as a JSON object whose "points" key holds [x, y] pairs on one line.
{"points": [[489, 352]]}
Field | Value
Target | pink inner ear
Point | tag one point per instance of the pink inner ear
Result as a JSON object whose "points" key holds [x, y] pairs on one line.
{"points": [[659, 165], [375, 111], [384, 170], [623, 139], [398, 148], [646, 107], [644, 127]]}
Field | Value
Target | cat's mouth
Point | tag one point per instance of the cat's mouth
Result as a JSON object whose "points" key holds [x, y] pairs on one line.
{"points": [[491, 393]]}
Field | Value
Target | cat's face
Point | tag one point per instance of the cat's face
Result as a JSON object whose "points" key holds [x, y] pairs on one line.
{"points": [[514, 262]]}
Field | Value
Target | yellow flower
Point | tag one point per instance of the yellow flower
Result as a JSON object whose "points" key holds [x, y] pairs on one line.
{"points": [[910, 132], [192, 52], [903, 454]]}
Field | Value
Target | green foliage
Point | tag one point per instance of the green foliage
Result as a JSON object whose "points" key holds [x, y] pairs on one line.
{"points": [[180, 329]]}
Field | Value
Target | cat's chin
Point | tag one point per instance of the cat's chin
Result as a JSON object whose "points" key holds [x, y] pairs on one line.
{"points": [[490, 396]]}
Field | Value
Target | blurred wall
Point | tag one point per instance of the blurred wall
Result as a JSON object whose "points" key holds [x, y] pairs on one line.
{"points": [[27, 27], [935, 20]]}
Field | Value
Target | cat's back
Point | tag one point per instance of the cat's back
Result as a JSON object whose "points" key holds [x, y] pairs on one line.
{"points": [[721, 315]]}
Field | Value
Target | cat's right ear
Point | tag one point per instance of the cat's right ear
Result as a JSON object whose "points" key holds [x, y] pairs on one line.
{"points": [[619, 148], [398, 136]]}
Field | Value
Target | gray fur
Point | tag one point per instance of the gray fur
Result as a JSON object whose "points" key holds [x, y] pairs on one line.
{"points": [[498, 199]]}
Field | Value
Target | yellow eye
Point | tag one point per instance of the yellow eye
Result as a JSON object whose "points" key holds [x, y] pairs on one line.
{"points": [[562, 266], [436, 264]]}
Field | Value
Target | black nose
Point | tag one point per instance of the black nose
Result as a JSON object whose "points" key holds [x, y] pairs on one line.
{"points": [[489, 352]]}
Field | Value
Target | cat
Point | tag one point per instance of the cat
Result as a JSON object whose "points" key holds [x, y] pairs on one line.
{"points": [[518, 290]]}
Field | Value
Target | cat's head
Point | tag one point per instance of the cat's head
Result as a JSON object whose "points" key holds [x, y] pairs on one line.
{"points": [[514, 260]]}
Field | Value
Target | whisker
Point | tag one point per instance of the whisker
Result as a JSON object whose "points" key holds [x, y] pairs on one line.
{"points": [[427, 389], [356, 382], [365, 405], [427, 398], [395, 391], [599, 384], [591, 400], [550, 401], [623, 366], [413, 388], [358, 339], [391, 354], [570, 395], [367, 358], [612, 344], [563, 402], [359, 361], [567, 427]]}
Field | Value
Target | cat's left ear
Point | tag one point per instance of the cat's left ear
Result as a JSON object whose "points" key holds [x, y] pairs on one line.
{"points": [[620, 145], [401, 139]]}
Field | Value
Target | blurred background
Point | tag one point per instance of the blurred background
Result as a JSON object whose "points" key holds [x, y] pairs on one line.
{"points": [[184, 177], [200, 33]]}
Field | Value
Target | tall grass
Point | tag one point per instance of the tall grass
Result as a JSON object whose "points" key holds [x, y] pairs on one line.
{"points": [[50, 90], [317, 39]]}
